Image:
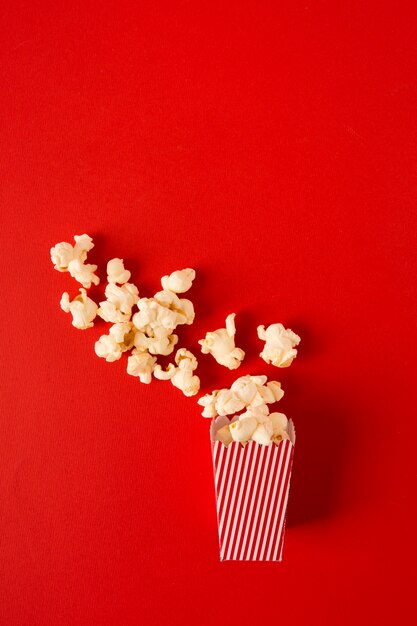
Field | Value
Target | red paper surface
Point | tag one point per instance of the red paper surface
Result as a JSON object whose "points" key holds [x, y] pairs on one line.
{"points": [[273, 149]]}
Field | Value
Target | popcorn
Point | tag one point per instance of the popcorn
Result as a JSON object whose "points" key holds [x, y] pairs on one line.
{"points": [[141, 364], [83, 273], [221, 345], [182, 307], [157, 340], [82, 309], [227, 403], [119, 303], [179, 281], [181, 376], [262, 434], [116, 272], [119, 340], [248, 392], [68, 258], [62, 253], [154, 315], [209, 403], [279, 423], [242, 430], [279, 345], [255, 426]]}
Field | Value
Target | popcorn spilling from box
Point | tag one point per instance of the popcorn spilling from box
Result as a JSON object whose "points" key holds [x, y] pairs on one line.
{"points": [[252, 446]]}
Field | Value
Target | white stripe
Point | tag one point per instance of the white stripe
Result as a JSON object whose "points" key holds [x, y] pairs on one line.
{"points": [[248, 490], [239, 501], [252, 502], [265, 506], [258, 504], [229, 484], [271, 542], [271, 508], [232, 501]]}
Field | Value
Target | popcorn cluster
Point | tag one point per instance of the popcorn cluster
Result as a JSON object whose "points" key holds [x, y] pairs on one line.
{"points": [[146, 327], [147, 332], [252, 395]]}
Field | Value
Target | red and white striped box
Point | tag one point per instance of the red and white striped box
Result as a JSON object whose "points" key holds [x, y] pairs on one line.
{"points": [[252, 484]]}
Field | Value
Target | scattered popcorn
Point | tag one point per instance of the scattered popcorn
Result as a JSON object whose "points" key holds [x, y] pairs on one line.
{"points": [[240, 413], [181, 376], [157, 340], [221, 345], [141, 364], [182, 307], [209, 403], [62, 253], [116, 272], [83, 273], [68, 258], [82, 309], [119, 340], [279, 345], [179, 281], [119, 303], [228, 403]]}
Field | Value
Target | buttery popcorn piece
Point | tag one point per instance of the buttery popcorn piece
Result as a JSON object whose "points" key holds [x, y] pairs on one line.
{"points": [[62, 253], [141, 364], [182, 307], [119, 303], [179, 281], [82, 309], [116, 272], [157, 340], [182, 375], [83, 273], [209, 403], [242, 430], [221, 345], [119, 340], [279, 345], [279, 423], [68, 258]]}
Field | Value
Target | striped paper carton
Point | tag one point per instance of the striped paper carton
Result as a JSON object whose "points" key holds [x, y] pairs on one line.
{"points": [[252, 484]]}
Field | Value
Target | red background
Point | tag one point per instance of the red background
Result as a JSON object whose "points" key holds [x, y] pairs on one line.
{"points": [[274, 150]]}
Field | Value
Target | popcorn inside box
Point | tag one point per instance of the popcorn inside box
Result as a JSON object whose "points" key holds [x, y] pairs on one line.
{"points": [[252, 445]]}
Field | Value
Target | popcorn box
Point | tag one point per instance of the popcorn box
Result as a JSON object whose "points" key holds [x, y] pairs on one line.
{"points": [[252, 484]]}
